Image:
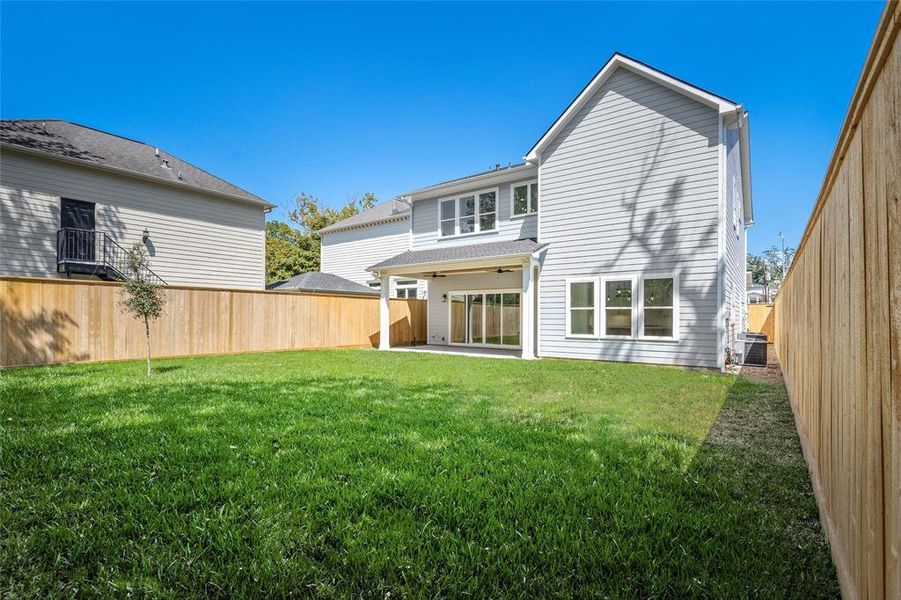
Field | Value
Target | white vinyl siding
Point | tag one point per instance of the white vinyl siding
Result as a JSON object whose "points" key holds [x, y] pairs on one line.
{"points": [[350, 252], [427, 225], [630, 187], [195, 239], [734, 242]]}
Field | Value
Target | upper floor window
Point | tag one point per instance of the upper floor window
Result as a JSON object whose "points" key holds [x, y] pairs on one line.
{"points": [[525, 198], [471, 213]]}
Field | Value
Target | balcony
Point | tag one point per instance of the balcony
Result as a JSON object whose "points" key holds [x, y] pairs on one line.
{"points": [[90, 252]]}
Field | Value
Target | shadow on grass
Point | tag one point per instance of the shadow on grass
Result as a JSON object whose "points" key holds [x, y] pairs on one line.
{"points": [[343, 486]]}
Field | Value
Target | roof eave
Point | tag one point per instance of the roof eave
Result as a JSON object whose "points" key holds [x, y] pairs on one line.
{"points": [[433, 266], [492, 177], [744, 148], [338, 228], [120, 171], [619, 60]]}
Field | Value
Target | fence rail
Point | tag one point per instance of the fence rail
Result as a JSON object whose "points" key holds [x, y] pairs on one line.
{"points": [[46, 321], [838, 327]]}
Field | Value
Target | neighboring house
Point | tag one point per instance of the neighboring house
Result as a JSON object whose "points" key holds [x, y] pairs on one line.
{"points": [[350, 246], [322, 283], [73, 198], [760, 294], [622, 236]]}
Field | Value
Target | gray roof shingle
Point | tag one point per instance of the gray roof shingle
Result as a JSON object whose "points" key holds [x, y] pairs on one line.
{"points": [[460, 253], [386, 211], [63, 139], [322, 282]]}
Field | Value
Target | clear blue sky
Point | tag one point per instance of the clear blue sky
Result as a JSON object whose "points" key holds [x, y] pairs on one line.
{"points": [[341, 99]]}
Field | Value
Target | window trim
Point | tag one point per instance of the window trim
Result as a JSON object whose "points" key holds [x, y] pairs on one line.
{"points": [[638, 317], [477, 213], [407, 285], [569, 308], [529, 210], [634, 279], [675, 307]]}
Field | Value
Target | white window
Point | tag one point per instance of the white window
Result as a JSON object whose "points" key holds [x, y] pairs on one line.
{"points": [[375, 285], [471, 213], [406, 288], [642, 306], [581, 307], [524, 198], [617, 295], [659, 302]]}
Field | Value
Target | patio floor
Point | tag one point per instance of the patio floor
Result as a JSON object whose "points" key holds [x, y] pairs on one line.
{"points": [[461, 350]]}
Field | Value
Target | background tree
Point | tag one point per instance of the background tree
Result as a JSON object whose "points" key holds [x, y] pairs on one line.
{"points": [[778, 261], [144, 299], [757, 267], [291, 251]]}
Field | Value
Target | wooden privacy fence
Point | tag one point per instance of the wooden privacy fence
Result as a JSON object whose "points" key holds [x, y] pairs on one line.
{"points": [[762, 319], [45, 321], [838, 322]]}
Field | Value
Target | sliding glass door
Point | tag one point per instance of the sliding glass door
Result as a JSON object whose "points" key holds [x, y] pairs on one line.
{"points": [[490, 318]]}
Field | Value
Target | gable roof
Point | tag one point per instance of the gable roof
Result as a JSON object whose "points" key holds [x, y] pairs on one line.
{"points": [[491, 177], [615, 62], [386, 212], [76, 143], [317, 281]]}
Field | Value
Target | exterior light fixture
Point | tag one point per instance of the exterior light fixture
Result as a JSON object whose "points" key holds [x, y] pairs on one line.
{"points": [[146, 235]]}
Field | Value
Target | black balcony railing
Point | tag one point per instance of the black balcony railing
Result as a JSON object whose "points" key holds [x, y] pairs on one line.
{"points": [[95, 253]]}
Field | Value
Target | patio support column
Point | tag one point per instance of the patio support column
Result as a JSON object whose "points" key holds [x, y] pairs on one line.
{"points": [[527, 311], [384, 312]]}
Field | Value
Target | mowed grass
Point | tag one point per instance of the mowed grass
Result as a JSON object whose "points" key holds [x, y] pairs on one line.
{"points": [[364, 474]]}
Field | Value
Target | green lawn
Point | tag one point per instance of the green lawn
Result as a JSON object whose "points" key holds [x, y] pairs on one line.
{"points": [[360, 473]]}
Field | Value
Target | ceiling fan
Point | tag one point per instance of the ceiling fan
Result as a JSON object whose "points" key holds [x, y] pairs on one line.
{"points": [[437, 275], [501, 270]]}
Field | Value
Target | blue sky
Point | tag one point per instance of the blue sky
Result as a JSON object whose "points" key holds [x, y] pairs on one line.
{"points": [[341, 99]]}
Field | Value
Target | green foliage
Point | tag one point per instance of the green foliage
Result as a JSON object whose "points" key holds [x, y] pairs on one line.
{"points": [[290, 251], [360, 474], [143, 298], [769, 267]]}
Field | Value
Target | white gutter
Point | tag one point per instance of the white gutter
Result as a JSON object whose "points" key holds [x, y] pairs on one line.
{"points": [[744, 147]]}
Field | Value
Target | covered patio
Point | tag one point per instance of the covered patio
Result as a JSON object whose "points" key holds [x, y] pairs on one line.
{"points": [[482, 297], [461, 351]]}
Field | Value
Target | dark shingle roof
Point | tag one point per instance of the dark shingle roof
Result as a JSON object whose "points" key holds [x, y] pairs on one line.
{"points": [[322, 282], [387, 211], [62, 139], [460, 253]]}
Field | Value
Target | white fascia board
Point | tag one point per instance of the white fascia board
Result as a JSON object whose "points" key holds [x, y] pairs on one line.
{"points": [[470, 183], [615, 62], [487, 262], [744, 148]]}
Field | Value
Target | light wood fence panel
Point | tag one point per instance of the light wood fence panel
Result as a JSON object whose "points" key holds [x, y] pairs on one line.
{"points": [[762, 319], [46, 321], [838, 331]]}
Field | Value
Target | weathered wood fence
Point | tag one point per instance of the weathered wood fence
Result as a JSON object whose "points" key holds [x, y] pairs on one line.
{"points": [[762, 319], [45, 321], [838, 322]]}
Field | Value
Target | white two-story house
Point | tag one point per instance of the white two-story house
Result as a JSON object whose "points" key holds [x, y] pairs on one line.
{"points": [[349, 247], [621, 237]]}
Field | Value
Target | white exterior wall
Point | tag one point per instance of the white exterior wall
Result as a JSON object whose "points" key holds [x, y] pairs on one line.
{"points": [[425, 222], [631, 185], [197, 239], [734, 243], [348, 253], [439, 307]]}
